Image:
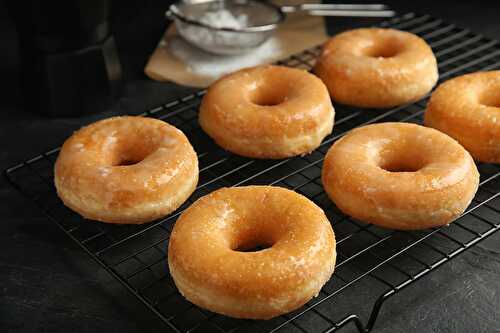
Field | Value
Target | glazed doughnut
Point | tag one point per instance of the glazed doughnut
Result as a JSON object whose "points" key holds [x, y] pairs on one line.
{"points": [[209, 260], [400, 176], [377, 68], [467, 108], [267, 112], [126, 170]]}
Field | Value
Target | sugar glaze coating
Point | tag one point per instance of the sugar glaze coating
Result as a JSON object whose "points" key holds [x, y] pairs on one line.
{"points": [[400, 176], [267, 112], [209, 270], [126, 170], [467, 108], [377, 68]]}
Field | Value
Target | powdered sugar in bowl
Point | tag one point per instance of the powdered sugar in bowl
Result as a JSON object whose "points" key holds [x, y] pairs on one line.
{"points": [[225, 27]]}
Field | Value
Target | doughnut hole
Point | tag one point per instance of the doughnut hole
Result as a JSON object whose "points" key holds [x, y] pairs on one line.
{"points": [[129, 151], [129, 158], [405, 158], [253, 247], [252, 240], [258, 235], [269, 93], [490, 98], [385, 48], [402, 165]]}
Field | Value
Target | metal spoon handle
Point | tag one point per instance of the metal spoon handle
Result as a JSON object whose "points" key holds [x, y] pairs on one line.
{"points": [[348, 10], [352, 13]]}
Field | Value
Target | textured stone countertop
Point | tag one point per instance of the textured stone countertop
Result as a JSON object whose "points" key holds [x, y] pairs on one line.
{"points": [[47, 284]]}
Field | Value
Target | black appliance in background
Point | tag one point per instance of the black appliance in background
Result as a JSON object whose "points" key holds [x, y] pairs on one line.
{"points": [[69, 62]]}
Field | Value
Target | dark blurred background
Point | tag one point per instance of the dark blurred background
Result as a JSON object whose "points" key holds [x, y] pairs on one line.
{"points": [[48, 285]]}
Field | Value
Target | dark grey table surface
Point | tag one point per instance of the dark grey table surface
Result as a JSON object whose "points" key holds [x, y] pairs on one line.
{"points": [[47, 284]]}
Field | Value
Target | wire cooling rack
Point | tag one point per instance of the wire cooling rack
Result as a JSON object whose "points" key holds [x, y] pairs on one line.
{"points": [[373, 264]]}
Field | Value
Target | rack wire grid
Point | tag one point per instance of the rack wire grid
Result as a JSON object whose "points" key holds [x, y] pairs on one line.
{"points": [[373, 264]]}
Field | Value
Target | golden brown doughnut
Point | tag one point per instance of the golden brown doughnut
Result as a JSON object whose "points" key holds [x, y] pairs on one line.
{"points": [[377, 68], [267, 112], [400, 176], [126, 170], [467, 108], [209, 266]]}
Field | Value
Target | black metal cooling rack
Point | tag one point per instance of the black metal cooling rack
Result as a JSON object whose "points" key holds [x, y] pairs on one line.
{"points": [[373, 264]]}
